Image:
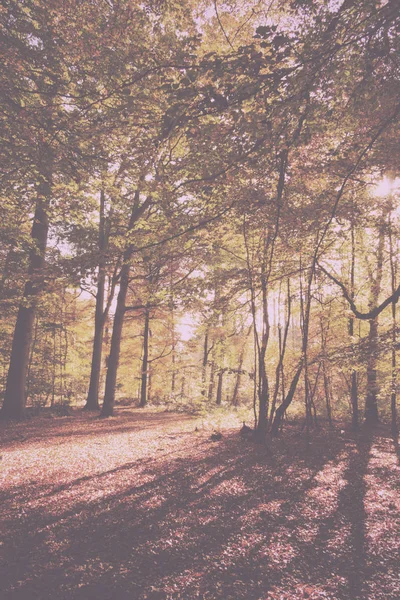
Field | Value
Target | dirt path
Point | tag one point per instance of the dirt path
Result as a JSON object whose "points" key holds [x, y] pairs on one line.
{"points": [[142, 506]]}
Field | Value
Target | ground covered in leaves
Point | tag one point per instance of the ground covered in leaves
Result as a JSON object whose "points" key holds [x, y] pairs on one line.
{"points": [[142, 506]]}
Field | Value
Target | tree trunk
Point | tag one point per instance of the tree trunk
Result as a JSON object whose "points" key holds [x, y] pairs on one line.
{"points": [[92, 401], [327, 390], [145, 359], [393, 394], [304, 325], [31, 355], [354, 387], [238, 379], [371, 401], [354, 400], [54, 367], [113, 359], [263, 387], [204, 365], [183, 386], [279, 372], [218, 399], [15, 394], [263, 400], [173, 357], [212, 381], [149, 386], [280, 411], [305, 310]]}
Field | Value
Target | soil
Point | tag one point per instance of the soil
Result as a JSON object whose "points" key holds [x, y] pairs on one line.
{"points": [[143, 506]]}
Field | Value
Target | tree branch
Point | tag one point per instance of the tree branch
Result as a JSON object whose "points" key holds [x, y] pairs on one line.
{"points": [[373, 313]]}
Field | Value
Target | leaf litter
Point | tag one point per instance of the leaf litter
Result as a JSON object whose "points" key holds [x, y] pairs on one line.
{"points": [[143, 506]]}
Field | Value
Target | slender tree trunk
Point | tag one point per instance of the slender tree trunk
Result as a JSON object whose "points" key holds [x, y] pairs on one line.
{"points": [[327, 390], [280, 411], [31, 355], [173, 337], [113, 359], [325, 373], [238, 379], [212, 381], [354, 386], [354, 400], [279, 373], [54, 368], [149, 386], [305, 333], [393, 394], [263, 387], [218, 399], [92, 401], [304, 320], [263, 400], [239, 371], [145, 359], [312, 392], [254, 321], [371, 401], [15, 394], [173, 357], [204, 365]]}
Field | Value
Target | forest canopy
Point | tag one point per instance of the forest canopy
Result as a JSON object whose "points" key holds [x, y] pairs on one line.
{"points": [[200, 207]]}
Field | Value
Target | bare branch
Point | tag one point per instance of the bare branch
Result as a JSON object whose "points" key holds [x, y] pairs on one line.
{"points": [[373, 313]]}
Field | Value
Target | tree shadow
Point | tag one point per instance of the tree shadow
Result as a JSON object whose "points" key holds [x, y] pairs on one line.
{"points": [[223, 522], [351, 509], [196, 526]]}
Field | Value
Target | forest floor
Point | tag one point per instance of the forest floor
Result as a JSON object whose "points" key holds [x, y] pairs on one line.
{"points": [[141, 506]]}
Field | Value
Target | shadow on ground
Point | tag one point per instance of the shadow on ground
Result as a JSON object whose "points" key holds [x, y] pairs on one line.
{"points": [[221, 521]]}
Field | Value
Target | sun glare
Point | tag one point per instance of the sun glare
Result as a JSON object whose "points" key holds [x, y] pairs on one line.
{"points": [[386, 186]]}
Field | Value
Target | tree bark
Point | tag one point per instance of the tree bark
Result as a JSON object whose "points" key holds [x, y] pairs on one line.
{"points": [[145, 359], [324, 329], [239, 374], [279, 372], [327, 390], [92, 401], [263, 386], [280, 411], [173, 349], [393, 394], [218, 399], [211, 382], [15, 394], [354, 383], [371, 401], [113, 359], [204, 364]]}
